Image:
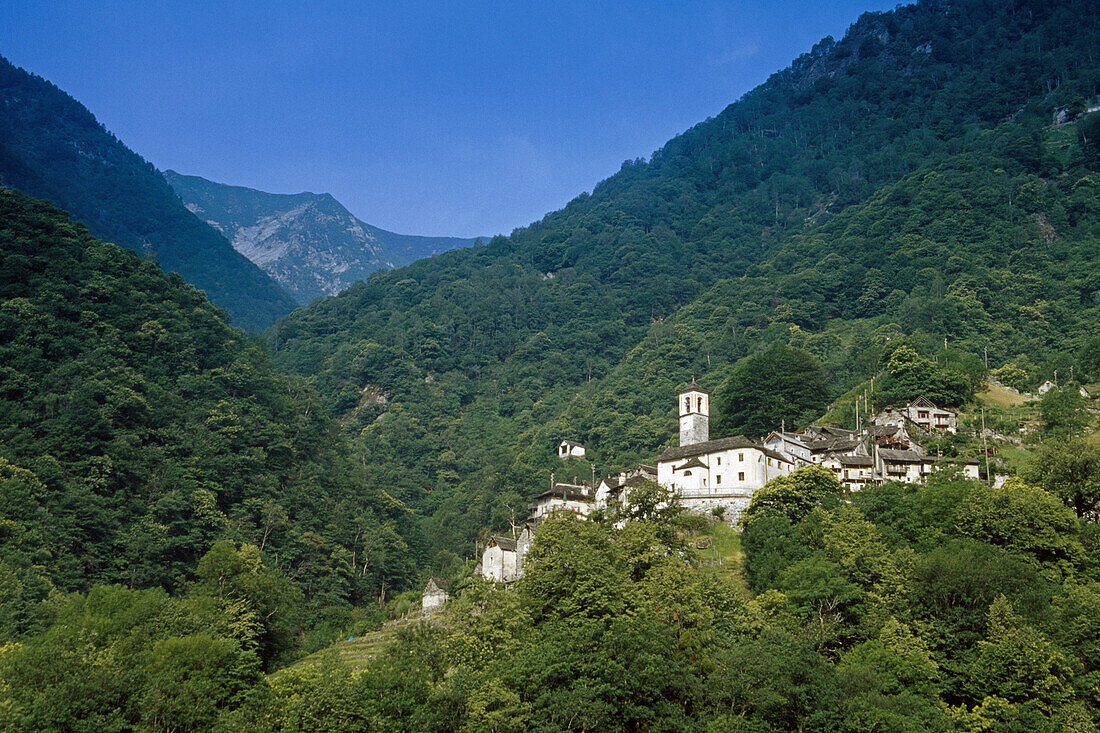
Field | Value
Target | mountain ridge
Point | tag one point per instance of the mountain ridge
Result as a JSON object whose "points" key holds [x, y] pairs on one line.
{"points": [[307, 242], [52, 147]]}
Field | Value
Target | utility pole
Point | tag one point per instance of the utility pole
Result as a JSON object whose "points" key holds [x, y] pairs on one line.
{"points": [[985, 450]]}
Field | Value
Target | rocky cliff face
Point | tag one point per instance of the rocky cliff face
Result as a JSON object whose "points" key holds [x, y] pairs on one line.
{"points": [[309, 243]]}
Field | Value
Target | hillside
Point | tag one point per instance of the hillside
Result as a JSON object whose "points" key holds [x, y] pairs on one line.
{"points": [[904, 179], [138, 429], [308, 243], [52, 147]]}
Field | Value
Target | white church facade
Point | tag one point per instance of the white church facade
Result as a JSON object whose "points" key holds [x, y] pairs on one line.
{"points": [[708, 474]]}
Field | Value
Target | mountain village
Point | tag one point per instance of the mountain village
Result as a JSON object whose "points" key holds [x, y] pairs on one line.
{"points": [[718, 478]]}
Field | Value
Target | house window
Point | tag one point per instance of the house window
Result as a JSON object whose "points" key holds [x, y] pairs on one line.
{"points": [[845, 471], [740, 475], [719, 479], [687, 473], [741, 457], [719, 460]]}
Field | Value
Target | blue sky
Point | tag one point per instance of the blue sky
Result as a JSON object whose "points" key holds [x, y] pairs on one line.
{"points": [[442, 118]]}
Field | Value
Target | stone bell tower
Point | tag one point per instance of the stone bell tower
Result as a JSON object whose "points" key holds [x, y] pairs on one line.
{"points": [[694, 415]]}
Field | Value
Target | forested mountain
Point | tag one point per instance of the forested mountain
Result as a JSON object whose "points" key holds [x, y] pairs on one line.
{"points": [[906, 179], [308, 243], [137, 429], [183, 514], [52, 147]]}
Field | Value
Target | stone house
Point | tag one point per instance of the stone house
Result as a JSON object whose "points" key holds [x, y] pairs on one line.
{"points": [[793, 445], [435, 594], [573, 498], [911, 467], [570, 449], [853, 471], [498, 561]]}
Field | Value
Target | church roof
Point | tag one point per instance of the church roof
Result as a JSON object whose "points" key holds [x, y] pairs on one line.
{"points": [[693, 463], [715, 446], [693, 387]]}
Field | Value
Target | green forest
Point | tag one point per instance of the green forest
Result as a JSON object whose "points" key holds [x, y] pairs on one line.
{"points": [[192, 516]]}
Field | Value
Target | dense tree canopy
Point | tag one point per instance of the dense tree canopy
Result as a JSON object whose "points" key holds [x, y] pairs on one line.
{"points": [[779, 385], [137, 429]]}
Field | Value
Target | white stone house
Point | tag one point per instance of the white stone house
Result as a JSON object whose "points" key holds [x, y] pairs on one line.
{"points": [[924, 413], [610, 491], [570, 449], [853, 471], [906, 466], [574, 498], [499, 562], [524, 540], [910, 467], [825, 448], [435, 594], [793, 445]]}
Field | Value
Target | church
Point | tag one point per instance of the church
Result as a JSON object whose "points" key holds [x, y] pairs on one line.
{"points": [[715, 476]]}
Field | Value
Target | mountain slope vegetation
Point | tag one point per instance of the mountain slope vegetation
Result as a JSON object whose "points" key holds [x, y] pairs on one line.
{"points": [[52, 147], [904, 180], [138, 429]]}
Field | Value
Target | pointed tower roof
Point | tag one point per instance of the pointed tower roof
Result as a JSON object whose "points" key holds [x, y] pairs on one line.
{"points": [[693, 387]]}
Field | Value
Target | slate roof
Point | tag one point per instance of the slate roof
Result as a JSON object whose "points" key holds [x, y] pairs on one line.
{"points": [[439, 583], [791, 437], [567, 492], [855, 460], [693, 463], [834, 444], [504, 543], [834, 432], [900, 456], [714, 446]]}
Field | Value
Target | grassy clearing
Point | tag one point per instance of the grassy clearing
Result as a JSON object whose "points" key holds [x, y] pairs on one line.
{"points": [[722, 553], [994, 394], [1015, 458]]}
